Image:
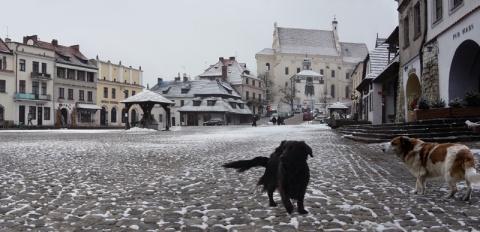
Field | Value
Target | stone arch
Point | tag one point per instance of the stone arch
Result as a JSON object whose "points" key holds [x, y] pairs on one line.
{"points": [[465, 70], [113, 115], [413, 93]]}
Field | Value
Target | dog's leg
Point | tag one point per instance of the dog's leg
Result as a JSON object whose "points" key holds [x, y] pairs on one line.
{"points": [[468, 195], [271, 202], [453, 188], [417, 187], [423, 185], [301, 207], [286, 201]]}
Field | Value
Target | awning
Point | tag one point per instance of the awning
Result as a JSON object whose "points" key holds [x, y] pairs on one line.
{"points": [[89, 106]]}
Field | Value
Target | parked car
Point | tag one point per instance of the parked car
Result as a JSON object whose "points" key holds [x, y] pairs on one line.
{"points": [[307, 117], [298, 110], [214, 122]]}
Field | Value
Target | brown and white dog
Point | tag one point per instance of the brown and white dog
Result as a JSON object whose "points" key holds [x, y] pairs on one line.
{"points": [[427, 160]]}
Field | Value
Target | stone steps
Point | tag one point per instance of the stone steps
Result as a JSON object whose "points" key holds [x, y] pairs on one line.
{"points": [[437, 130]]}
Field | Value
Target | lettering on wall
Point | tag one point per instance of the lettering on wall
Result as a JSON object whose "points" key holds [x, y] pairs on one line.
{"points": [[464, 30]]}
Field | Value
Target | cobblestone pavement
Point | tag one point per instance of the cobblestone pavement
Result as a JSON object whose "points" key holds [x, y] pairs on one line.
{"points": [[173, 181]]}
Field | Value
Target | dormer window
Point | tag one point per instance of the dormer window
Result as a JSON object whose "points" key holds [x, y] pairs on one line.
{"points": [[233, 105], [241, 105], [196, 103], [185, 91], [210, 102]]}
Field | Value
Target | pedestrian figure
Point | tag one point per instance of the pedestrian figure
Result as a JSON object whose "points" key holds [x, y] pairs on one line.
{"points": [[62, 119], [280, 120], [254, 123], [30, 117], [274, 120]]}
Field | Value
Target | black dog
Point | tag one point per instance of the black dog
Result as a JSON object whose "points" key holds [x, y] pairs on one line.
{"points": [[286, 169]]}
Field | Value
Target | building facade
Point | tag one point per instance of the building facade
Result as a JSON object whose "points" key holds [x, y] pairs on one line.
{"points": [[245, 83], [115, 83], [74, 83], [329, 57], [305, 92], [33, 101], [7, 84]]}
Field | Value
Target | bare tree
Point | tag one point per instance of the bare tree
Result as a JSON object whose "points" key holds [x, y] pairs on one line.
{"points": [[287, 93], [268, 80]]}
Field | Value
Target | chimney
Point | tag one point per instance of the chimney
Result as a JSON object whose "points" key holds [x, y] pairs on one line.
{"points": [[220, 59], [177, 78], [159, 80], [185, 78], [232, 57], [224, 72], [27, 38], [8, 40], [55, 42], [76, 47]]}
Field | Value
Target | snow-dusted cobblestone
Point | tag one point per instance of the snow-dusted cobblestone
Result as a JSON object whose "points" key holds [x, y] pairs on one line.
{"points": [[142, 180]]}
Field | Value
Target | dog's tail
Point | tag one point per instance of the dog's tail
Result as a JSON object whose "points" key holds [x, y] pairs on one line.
{"points": [[472, 176], [244, 165]]}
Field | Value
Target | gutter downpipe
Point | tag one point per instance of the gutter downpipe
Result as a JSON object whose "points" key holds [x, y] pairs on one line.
{"points": [[425, 30]]}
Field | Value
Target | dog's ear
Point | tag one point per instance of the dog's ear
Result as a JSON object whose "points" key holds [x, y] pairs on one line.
{"points": [[405, 142], [308, 149]]}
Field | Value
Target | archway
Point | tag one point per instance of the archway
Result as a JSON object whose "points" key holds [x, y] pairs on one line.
{"points": [[64, 113], [413, 93], [465, 70], [133, 117], [103, 116]]}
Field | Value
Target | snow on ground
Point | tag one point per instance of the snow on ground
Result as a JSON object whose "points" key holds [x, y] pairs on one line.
{"points": [[141, 179]]}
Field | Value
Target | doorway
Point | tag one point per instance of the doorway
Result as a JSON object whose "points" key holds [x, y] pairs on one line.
{"points": [[21, 114], [65, 115], [39, 116], [413, 95], [465, 70]]}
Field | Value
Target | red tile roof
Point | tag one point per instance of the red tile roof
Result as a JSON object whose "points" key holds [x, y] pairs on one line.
{"points": [[4, 48], [67, 55]]}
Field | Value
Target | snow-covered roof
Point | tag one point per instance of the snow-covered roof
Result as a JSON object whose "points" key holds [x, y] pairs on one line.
{"points": [[309, 73], [378, 59], [337, 105], [267, 51], [148, 96], [173, 89], [221, 106], [235, 71]]}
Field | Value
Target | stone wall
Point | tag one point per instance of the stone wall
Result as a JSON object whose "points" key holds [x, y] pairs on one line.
{"points": [[400, 107], [430, 81]]}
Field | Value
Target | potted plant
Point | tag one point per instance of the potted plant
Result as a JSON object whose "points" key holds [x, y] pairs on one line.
{"points": [[471, 105]]}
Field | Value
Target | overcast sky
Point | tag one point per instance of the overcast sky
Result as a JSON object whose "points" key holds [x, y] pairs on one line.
{"points": [[168, 37]]}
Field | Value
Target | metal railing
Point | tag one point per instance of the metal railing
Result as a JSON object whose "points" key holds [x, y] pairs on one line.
{"points": [[31, 96], [38, 75]]}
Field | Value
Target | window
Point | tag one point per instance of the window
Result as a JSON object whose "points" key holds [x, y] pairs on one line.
{"points": [[46, 113], [406, 34], [70, 93], [81, 75], [3, 63], [160, 118], [253, 82], [90, 95], [182, 102], [416, 17], [22, 65], [347, 91], [267, 65], [253, 95], [114, 93], [44, 88], [2, 86], [455, 3], [22, 87], [333, 73], [298, 70], [196, 103], [210, 102], [332, 91], [286, 70], [133, 93], [260, 97], [246, 81], [35, 87], [35, 67], [44, 67], [32, 110], [126, 93], [61, 93], [438, 10], [60, 72], [90, 76], [81, 95], [321, 71], [105, 92], [113, 116], [71, 74], [246, 95], [2, 117]]}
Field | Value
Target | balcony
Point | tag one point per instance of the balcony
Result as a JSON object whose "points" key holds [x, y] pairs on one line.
{"points": [[31, 96], [40, 76]]}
